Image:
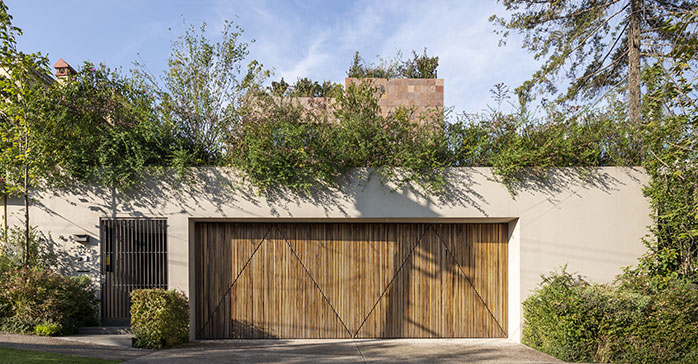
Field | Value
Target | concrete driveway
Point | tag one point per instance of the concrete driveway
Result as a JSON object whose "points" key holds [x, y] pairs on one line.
{"points": [[288, 351], [349, 351]]}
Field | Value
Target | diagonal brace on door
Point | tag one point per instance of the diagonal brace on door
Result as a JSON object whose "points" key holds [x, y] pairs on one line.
{"points": [[470, 282], [409, 255], [314, 282], [227, 293]]}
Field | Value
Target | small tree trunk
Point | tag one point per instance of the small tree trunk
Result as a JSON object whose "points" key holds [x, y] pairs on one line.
{"points": [[26, 214], [634, 77]]}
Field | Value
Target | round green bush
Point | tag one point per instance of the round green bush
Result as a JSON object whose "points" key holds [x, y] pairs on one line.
{"points": [[159, 318]]}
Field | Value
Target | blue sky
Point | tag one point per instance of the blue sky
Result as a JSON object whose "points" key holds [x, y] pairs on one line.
{"points": [[315, 39]]}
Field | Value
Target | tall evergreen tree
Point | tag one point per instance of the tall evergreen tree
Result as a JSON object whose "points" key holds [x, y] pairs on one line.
{"points": [[598, 45]]}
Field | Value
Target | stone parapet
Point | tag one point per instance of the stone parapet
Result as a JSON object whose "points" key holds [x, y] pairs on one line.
{"points": [[424, 95]]}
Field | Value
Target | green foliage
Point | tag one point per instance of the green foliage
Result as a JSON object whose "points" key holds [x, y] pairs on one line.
{"points": [[385, 69], [13, 246], [277, 147], [32, 297], [420, 66], [671, 141], [23, 84], [200, 96], [561, 318], [283, 145], [305, 87], [279, 88], [105, 127], [48, 329], [633, 321], [586, 42], [519, 148], [159, 318], [673, 193], [414, 145]]}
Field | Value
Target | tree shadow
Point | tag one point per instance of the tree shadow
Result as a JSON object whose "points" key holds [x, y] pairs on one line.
{"points": [[362, 194]]}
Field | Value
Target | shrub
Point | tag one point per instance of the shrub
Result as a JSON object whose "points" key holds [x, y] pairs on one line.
{"points": [[44, 302], [649, 322], [48, 329], [13, 249], [635, 320], [561, 318], [159, 318]]}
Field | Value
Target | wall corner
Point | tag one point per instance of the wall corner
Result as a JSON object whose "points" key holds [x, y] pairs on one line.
{"points": [[514, 309]]}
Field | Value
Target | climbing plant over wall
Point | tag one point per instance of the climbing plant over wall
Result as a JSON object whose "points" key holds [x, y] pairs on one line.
{"points": [[282, 144], [419, 66]]}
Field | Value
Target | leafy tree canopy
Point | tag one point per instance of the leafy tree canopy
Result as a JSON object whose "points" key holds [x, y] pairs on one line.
{"points": [[201, 95], [594, 45]]}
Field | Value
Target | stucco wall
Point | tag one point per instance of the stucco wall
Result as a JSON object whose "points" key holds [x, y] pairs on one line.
{"points": [[593, 225]]}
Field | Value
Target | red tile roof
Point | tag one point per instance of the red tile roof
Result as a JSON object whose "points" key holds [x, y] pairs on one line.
{"points": [[63, 64]]}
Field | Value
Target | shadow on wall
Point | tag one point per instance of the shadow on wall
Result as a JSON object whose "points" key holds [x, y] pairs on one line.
{"points": [[71, 258], [553, 181], [223, 192]]}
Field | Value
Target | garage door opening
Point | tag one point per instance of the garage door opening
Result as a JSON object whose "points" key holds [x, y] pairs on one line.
{"points": [[350, 280]]}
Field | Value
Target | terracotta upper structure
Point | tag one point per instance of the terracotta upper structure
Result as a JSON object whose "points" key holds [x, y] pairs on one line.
{"points": [[63, 69], [424, 95]]}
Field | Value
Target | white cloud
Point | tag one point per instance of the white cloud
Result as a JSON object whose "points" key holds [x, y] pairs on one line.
{"points": [[299, 38], [317, 42], [313, 59]]}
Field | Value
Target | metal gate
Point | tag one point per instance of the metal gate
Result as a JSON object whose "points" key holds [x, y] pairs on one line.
{"points": [[133, 256]]}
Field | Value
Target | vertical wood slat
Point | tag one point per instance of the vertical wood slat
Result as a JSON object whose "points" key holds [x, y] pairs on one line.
{"points": [[137, 253], [320, 280]]}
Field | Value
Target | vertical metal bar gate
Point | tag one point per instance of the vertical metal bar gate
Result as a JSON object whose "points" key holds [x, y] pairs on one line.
{"points": [[133, 256]]}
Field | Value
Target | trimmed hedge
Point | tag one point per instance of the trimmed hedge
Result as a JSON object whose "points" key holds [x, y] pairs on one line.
{"points": [[635, 320], [159, 318], [44, 302]]}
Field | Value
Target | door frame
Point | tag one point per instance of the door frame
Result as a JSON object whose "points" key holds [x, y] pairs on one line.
{"points": [[110, 281]]}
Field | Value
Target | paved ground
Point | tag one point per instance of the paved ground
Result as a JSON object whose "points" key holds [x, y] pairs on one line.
{"points": [[123, 340], [299, 351]]}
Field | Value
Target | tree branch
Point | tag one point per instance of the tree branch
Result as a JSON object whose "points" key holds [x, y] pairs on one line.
{"points": [[583, 42], [618, 59]]}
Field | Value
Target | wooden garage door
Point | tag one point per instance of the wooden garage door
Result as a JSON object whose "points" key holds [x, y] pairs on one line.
{"points": [[365, 280]]}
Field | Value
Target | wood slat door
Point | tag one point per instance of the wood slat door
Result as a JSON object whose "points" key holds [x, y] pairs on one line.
{"points": [[133, 256], [344, 280]]}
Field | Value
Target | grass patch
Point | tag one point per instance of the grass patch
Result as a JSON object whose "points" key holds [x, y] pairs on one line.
{"points": [[18, 356]]}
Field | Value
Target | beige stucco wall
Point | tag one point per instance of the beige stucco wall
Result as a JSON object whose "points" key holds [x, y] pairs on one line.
{"points": [[594, 225]]}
